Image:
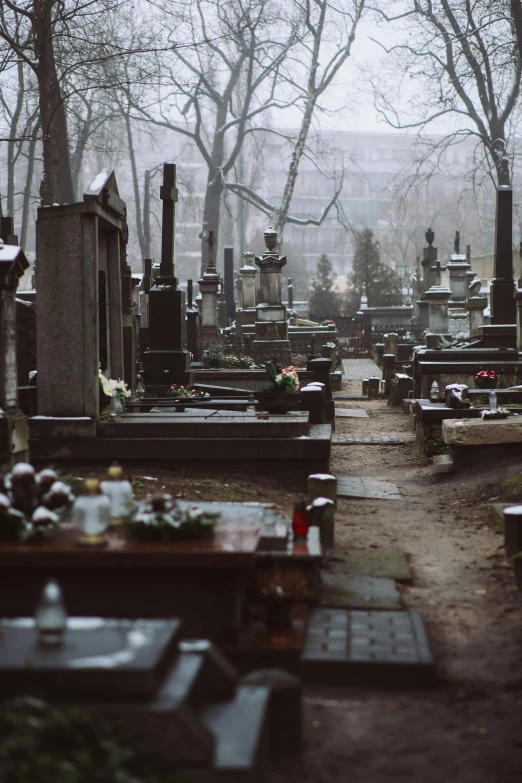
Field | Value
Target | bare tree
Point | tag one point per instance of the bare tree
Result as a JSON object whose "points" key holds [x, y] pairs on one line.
{"points": [[328, 33], [459, 60], [220, 88]]}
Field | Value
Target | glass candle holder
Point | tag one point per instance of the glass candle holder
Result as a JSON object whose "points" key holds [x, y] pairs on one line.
{"points": [[300, 523], [120, 493], [50, 615]]}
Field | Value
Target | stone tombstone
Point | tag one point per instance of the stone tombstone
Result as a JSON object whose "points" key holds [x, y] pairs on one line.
{"points": [[271, 328], [208, 286], [438, 297], [502, 301], [79, 309], [13, 423], [246, 314], [167, 361], [229, 283]]}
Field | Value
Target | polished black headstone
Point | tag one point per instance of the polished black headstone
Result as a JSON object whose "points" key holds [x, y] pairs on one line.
{"points": [[502, 302]]}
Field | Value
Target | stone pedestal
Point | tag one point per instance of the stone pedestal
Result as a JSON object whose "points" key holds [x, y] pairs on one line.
{"points": [[502, 302], [458, 269], [14, 433], [247, 314], [271, 335], [391, 343], [423, 309], [475, 307], [208, 285], [438, 297]]}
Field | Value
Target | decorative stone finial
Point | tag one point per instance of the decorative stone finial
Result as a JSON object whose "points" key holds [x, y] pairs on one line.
{"points": [[270, 238], [430, 236], [456, 243]]}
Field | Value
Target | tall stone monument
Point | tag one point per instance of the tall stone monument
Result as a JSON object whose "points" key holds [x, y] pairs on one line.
{"points": [[247, 313], [271, 328], [80, 250], [167, 361], [14, 432], [208, 287], [502, 300]]}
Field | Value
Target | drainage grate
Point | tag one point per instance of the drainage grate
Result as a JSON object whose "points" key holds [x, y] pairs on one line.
{"points": [[356, 647]]}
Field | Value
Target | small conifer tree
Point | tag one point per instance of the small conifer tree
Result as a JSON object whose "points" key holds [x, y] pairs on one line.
{"points": [[371, 277], [324, 299]]}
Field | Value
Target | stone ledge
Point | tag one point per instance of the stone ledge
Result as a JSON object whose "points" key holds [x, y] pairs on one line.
{"points": [[478, 432]]}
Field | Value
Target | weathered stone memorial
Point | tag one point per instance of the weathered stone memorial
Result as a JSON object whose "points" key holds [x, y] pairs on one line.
{"points": [[271, 329], [80, 250], [14, 434], [167, 361]]}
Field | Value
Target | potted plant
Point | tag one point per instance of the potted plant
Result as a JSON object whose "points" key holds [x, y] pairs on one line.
{"points": [[486, 379], [282, 393]]}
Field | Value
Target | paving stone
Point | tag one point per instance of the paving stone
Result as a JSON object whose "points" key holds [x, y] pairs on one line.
{"points": [[372, 439], [358, 369], [351, 413], [359, 592], [382, 562], [362, 487], [358, 647]]}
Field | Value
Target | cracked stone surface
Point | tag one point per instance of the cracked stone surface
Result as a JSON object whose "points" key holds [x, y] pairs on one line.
{"points": [[366, 487]]}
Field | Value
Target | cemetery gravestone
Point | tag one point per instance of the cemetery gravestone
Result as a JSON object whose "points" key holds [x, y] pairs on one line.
{"points": [[79, 305], [13, 423]]}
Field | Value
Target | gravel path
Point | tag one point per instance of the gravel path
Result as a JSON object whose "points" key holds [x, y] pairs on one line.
{"points": [[470, 727]]}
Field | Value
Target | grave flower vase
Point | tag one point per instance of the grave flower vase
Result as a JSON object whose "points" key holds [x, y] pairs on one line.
{"points": [[278, 402]]}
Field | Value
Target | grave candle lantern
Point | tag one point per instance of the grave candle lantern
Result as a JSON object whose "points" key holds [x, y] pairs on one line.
{"points": [[120, 493], [91, 514], [50, 615]]}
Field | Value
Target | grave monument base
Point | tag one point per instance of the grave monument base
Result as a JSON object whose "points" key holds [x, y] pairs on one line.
{"points": [[263, 350]]}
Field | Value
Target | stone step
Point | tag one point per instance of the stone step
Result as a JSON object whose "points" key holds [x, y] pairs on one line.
{"points": [[240, 730], [171, 724]]}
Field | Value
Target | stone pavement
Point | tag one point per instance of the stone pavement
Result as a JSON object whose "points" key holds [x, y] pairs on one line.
{"points": [[357, 369]]}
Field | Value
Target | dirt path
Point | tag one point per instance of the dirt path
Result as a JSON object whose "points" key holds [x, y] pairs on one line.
{"points": [[470, 727]]}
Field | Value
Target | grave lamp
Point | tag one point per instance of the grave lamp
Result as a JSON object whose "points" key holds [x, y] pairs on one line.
{"points": [[91, 514], [50, 615], [120, 493]]}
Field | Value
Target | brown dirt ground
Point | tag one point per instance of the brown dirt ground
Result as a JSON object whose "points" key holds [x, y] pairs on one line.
{"points": [[469, 728]]}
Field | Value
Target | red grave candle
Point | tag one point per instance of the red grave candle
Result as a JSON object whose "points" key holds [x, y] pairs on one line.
{"points": [[300, 519]]}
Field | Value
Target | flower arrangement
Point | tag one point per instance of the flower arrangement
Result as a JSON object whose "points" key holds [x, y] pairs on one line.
{"points": [[111, 388], [186, 392], [283, 379], [161, 518], [486, 379]]}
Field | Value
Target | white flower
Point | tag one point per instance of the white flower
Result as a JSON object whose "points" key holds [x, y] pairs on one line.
{"points": [[278, 378]]}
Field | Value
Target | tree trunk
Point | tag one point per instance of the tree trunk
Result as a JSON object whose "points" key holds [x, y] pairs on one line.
{"points": [[136, 185], [11, 146], [28, 185], [146, 217], [56, 185], [77, 158], [211, 213]]}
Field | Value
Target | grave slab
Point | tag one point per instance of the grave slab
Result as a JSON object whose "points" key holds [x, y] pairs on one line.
{"points": [[477, 432], [375, 648], [351, 413], [373, 439], [358, 369], [98, 658], [366, 487], [359, 592], [382, 562]]}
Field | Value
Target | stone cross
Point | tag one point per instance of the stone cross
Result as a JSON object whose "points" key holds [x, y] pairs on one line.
{"points": [[169, 196]]}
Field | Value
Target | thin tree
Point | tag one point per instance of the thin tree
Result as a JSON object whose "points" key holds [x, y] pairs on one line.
{"points": [[460, 60]]}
